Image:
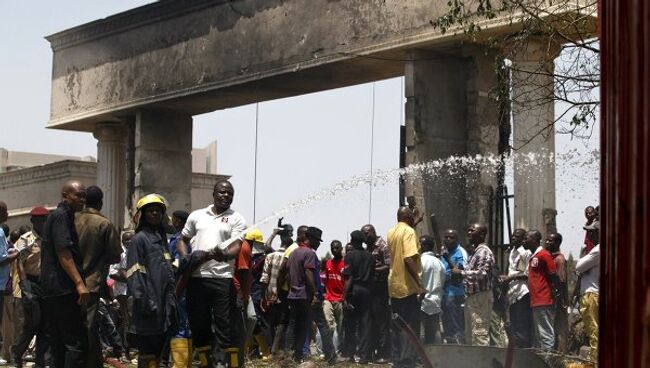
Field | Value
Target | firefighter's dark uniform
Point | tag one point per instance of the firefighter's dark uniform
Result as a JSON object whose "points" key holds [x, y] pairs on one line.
{"points": [[151, 291]]}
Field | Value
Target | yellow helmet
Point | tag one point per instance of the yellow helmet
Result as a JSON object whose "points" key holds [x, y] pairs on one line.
{"points": [[254, 235], [150, 199]]}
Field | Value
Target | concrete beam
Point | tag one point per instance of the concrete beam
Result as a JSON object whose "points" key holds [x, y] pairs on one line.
{"points": [[197, 56]]}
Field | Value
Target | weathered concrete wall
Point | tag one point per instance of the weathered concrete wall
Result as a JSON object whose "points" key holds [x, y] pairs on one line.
{"points": [[13, 160], [197, 56], [41, 186], [533, 117], [451, 112], [483, 118], [163, 156], [436, 128]]}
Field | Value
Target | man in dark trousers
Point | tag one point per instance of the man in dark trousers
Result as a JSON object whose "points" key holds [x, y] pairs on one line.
{"points": [[404, 284], [302, 288], [521, 315], [379, 308], [215, 233], [64, 291], [360, 273], [100, 246]]}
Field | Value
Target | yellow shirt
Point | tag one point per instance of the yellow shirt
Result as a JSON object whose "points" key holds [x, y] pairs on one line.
{"points": [[403, 243]]}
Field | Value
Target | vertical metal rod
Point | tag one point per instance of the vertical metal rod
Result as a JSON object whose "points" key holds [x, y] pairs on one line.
{"points": [[257, 118], [372, 146], [507, 199], [402, 142]]}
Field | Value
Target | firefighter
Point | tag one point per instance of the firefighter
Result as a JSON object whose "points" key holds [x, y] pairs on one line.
{"points": [[150, 283]]}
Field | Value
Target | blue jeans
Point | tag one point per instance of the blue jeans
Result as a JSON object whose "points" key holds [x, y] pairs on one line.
{"points": [[453, 318], [183, 323], [543, 318]]}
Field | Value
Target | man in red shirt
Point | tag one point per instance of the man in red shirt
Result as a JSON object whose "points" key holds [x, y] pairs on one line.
{"points": [[243, 280], [542, 284], [334, 287], [591, 237], [561, 324]]}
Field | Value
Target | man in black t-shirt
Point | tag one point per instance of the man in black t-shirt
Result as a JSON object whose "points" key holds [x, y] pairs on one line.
{"points": [[62, 284], [359, 272]]}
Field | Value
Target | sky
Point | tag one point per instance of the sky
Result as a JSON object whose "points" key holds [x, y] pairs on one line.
{"points": [[304, 144]]}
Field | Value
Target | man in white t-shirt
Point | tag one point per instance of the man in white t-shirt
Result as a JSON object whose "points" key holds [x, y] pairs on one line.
{"points": [[521, 314], [215, 234]]}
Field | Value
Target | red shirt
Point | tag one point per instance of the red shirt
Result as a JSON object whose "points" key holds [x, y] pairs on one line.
{"points": [[540, 267], [334, 284], [243, 264]]}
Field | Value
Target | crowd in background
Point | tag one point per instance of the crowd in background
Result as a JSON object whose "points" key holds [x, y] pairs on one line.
{"points": [[202, 288]]}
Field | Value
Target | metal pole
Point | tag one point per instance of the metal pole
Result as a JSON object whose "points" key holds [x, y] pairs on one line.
{"points": [[507, 199], [257, 118], [372, 146]]}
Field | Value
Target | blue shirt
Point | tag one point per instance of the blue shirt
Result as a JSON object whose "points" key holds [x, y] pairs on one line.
{"points": [[172, 246], [4, 269], [459, 257]]}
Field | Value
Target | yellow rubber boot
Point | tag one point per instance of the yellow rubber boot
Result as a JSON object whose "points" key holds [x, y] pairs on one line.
{"points": [[181, 352], [264, 347], [204, 356], [232, 356]]}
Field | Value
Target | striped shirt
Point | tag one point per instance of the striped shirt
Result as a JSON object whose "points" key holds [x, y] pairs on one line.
{"points": [[270, 273], [478, 272]]}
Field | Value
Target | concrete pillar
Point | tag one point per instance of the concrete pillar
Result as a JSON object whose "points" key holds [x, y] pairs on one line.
{"points": [[111, 169], [448, 113], [163, 157], [533, 115], [483, 135]]}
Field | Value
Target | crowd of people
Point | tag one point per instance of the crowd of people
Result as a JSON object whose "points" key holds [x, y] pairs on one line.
{"points": [[203, 287]]}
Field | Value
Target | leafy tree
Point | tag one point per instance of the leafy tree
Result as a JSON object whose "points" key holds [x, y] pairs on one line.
{"points": [[567, 25]]}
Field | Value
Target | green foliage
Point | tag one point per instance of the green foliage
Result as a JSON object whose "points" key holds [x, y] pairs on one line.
{"points": [[463, 15], [577, 72]]}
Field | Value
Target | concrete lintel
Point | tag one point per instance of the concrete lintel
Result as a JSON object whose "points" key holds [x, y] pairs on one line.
{"points": [[213, 54]]}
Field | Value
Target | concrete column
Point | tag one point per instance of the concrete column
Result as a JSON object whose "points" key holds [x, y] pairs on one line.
{"points": [[163, 157], [111, 169], [483, 135], [533, 115], [436, 129], [448, 113]]}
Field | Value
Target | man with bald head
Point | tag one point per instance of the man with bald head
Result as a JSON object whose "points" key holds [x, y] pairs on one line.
{"points": [[477, 277], [64, 290], [404, 285]]}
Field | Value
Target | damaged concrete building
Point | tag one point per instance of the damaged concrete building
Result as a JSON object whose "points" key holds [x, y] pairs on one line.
{"points": [[135, 80]]}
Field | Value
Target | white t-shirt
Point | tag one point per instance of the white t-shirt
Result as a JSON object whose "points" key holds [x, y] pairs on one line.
{"points": [[517, 266], [433, 279], [589, 267], [208, 230], [119, 287]]}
